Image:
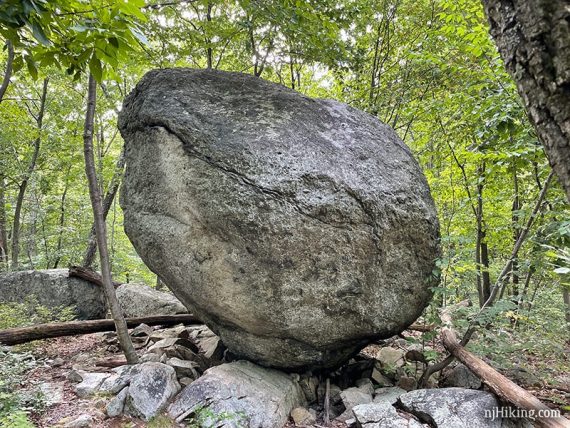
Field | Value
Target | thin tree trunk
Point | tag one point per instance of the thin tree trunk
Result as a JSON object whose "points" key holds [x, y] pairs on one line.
{"points": [[516, 231], [91, 250], [7, 70], [566, 297], [209, 51], [25, 180], [533, 40], [61, 224], [100, 227], [482, 252], [3, 232]]}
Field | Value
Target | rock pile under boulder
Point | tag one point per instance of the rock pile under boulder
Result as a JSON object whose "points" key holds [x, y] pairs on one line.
{"points": [[299, 230]]}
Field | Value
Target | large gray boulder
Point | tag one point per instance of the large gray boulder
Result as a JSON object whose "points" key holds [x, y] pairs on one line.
{"points": [[54, 288], [139, 300], [452, 407], [298, 229], [237, 395]]}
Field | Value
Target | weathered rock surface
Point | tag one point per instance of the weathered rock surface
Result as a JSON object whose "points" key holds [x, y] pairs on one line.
{"points": [[452, 407], [54, 288], [150, 390], [139, 300], [460, 377], [242, 394], [382, 415], [272, 216]]}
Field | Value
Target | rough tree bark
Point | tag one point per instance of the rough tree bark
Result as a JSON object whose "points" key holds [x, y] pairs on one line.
{"points": [[91, 250], [24, 184], [100, 227], [533, 38], [7, 70], [16, 336]]}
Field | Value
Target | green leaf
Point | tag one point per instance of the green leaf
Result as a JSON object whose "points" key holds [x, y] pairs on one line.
{"points": [[96, 68], [39, 34]]}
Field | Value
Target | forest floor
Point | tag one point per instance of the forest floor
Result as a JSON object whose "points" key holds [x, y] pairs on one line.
{"points": [[56, 357]]}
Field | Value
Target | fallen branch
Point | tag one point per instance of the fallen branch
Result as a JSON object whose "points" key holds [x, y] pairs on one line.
{"points": [[501, 385], [16, 336], [423, 328], [88, 275]]}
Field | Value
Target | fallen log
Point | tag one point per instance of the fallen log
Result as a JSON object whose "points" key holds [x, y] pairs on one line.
{"points": [[501, 385], [423, 328], [16, 336], [89, 275]]}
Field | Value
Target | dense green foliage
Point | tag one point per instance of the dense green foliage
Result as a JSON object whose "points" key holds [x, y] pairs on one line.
{"points": [[428, 68]]}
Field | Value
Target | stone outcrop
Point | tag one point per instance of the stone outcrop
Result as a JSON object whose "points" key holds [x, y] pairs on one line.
{"points": [[299, 230], [139, 300], [239, 394], [54, 288]]}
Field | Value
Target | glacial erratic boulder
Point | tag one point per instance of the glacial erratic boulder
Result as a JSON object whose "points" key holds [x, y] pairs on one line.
{"points": [[54, 288], [298, 229]]}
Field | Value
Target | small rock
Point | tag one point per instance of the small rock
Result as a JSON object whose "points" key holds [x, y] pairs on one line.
{"points": [[382, 415], [82, 421], [460, 377], [75, 376], [184, 368], [365, 385], [302, 417], [185, 381], [407, 383], [117, 404], [150, 357], [452, 407], [309, 385], [118, 380], [57, 362], [151, 388], [388, 395], [391, 357], [141, 330], [90, 384], [352, 397], [334, 393], [52, 392], [380, 379]]}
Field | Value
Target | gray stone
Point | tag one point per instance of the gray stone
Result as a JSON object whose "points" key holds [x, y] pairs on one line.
{"points": [[365, 385], [150, 390], [352, 397], [407, 383], [52, 392], [379, 378], [383, 415], [82, 421], [302, 417], [309, 385], [184, 368], [150, 357], [139, 300], [116, 406], [452, 407], [54, 288], [391, 357], [388, 395], [460, 377], [271, 215], [90, 383], [118, 380], [249, 395]]}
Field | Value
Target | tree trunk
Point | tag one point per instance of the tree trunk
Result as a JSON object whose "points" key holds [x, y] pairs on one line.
{"points": [[534, 42], [3, 233], [7, 70], [89, 275], [499, 384], [26, 179], [91, 250], [100, 227], [16, 336], [566, 297]]}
